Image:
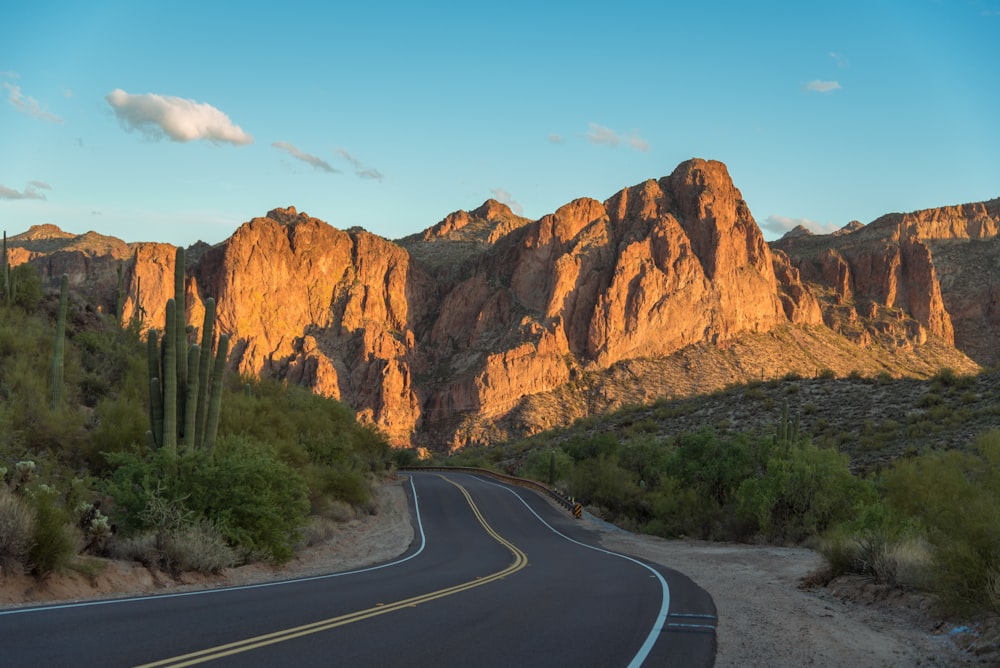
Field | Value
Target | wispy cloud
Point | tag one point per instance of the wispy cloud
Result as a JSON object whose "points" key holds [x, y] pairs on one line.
{"points": [[819, 86], [598, 134], [27, 104], [556, 139], [839, 58], [30, 191], [504, 197], [313, 160], [360, 170], [781, 224], [181, 120]]}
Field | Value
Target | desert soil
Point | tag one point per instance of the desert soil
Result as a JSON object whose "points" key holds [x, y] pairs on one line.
{"points": [[766, 616]]}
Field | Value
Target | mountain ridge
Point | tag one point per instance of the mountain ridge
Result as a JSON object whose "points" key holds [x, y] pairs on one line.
{"points": [[462, 333]]}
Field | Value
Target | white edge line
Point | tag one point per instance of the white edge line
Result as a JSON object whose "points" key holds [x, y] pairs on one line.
{"points": [[200, 592], [661, 618]]}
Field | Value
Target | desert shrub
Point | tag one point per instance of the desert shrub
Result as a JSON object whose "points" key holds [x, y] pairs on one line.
{"points": [[548, 465], [257, 501], [646, 459], [27, 287], [304, 429], [16, 532], [715, 466], [52, 544], [199, 546], [584, 447], [929, 399], [328, 485], [955, 495], [602, 483], [679, 511], [121, 426], [319, 530], [405, 457], [802, 492]]}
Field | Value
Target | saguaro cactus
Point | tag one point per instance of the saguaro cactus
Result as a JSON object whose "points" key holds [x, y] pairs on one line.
{"points": [[58, 352], [6, 272], [120, 294], [180, 332], [155, 435], [188, 416]]}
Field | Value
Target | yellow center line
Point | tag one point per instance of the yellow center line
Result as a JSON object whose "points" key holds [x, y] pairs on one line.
{"points": [[229, 649]]}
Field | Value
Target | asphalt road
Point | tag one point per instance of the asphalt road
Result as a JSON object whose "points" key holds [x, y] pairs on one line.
{"points": [[496, 576]]}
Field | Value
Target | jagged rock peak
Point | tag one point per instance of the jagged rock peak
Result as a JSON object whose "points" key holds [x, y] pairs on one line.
{"points": [[492, 209], [798, 231], [287, 216], [47, 231], [497, 214], [851, 227]]}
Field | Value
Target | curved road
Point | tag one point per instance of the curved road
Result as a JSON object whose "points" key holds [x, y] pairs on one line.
{"points": [[496, 576]]}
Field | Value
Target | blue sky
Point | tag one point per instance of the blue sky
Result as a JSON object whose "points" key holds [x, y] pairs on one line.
{"points": [[178, 121]]}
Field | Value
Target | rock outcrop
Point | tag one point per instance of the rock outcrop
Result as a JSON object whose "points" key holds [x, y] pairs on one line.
{"points": [[910, 275]]}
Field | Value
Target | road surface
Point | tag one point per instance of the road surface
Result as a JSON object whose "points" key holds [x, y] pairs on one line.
{"points": [[496, 576]]}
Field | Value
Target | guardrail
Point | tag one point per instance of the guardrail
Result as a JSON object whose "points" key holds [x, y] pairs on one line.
{"points": [[569, 504]]}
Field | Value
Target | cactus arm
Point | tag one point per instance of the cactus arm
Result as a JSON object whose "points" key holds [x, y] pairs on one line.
{"points": [[170, 378], [191, 404], [156, 411], [204, 369], [155, 396], [215, 402]]}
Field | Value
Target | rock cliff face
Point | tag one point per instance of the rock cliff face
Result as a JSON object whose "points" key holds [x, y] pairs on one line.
{"points": [[476, 320], [909, 275]]}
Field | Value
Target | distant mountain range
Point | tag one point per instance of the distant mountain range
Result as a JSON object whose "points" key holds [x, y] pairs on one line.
{"points": [[488, 325]]}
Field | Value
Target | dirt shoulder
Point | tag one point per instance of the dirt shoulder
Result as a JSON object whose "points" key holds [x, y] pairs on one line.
{"points": [[766, 618]]}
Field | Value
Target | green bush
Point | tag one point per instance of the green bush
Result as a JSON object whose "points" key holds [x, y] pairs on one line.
{"points": [[602, 483], [257, 501], [955, 495], [802, 492], [547, 465], [52, 545]]}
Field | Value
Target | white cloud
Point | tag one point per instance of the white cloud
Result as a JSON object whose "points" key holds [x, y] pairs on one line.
{"points": [[360, 170], [555, 139], [598, 134], [504, 197], [30, 191], [27, 104], [780, 224], [313, 160], [175, 117], [818, 86]]}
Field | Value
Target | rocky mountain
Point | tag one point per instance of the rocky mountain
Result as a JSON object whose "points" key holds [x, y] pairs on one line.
{"points": [[488, 324]]}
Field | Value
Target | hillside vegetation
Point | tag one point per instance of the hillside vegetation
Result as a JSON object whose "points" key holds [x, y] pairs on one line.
{"points": [[895, 479], [80, 476]]}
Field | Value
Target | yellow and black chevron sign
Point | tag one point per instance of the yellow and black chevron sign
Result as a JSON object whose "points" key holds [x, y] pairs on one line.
{"points": [[578, 511]]}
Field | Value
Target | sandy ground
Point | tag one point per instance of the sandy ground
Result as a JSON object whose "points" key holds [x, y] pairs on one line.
{"points": [[766, 617]]}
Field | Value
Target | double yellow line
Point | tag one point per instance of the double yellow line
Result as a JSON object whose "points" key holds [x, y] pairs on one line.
{"points": [[212, 653]]}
